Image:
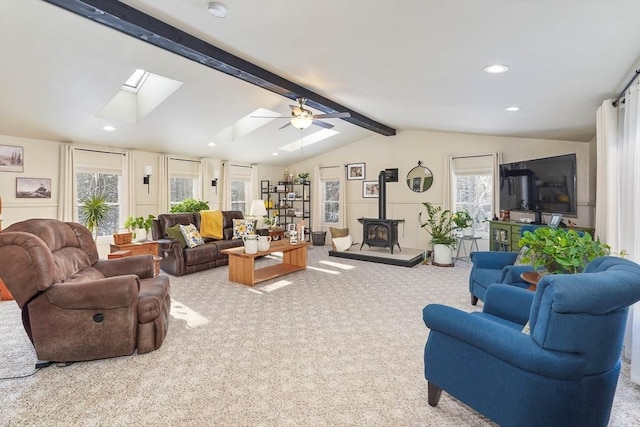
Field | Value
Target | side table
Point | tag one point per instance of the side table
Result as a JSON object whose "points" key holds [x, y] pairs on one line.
{"points": [[461, 245], [138, 248]]}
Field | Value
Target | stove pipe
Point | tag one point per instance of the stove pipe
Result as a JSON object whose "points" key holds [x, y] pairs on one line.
{"points": [[382, 195]]}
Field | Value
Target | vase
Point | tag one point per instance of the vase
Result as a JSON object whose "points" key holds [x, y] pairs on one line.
{"points": [[250, 243], [141, 235], [264, 243], [442, 255], [467, 231]]}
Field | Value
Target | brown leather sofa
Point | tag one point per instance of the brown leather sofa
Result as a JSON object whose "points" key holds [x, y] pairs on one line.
{"points": [[178, 260], [75, 306]]}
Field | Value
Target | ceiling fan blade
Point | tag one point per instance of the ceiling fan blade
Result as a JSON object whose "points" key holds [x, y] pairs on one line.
{"points": [[323, 124], [285, 125], [332, 116], [270, 117]]}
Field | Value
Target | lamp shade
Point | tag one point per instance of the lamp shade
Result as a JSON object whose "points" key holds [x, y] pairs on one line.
{"points": [[258, 209]]}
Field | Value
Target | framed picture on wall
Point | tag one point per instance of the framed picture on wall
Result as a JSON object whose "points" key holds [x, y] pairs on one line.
{"points": [[555, 220], [370, 189], [356, 171], [11, 158], [33, 188]]}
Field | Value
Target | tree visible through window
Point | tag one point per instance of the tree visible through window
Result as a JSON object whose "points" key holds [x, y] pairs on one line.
{"points": [[107, 185], [331, 201], [474, 193], [239, 193], [182, 188]]}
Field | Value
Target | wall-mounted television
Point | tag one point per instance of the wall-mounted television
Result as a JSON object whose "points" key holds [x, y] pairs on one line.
{"points": [[546, 185]]}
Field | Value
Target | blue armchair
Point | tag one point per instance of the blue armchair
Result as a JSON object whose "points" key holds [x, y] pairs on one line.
{"points": [[496, 267], [563, 374]]}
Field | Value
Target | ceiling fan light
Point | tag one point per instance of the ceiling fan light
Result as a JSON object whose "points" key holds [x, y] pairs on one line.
{"points": [[301, 122]]}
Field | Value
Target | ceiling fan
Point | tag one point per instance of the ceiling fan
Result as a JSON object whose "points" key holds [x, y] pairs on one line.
{"points": [[302, 118]]}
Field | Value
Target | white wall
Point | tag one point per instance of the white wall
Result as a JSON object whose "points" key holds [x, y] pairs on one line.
{"points": [[401, 151], [434, 149]]}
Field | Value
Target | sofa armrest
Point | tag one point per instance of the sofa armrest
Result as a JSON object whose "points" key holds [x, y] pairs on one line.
{"points": [[170, 245], [500, 341], [508, 302], [494, 260], [140, 265], [108, 293]]}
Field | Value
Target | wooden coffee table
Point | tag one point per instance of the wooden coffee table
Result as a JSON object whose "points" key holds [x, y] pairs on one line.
{"points": [[242, 266]]}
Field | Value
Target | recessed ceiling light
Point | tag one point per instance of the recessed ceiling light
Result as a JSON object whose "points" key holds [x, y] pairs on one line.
{"points": [[211, 144], [496, 69], [108, 128], [275, 154], [218, 10], [512, 108]]}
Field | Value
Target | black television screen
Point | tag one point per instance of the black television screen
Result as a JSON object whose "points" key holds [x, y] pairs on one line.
{"points": [[540, 185]]}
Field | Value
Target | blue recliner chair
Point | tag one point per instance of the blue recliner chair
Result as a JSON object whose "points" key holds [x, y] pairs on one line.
{"points": [[563, 374], [496, 267]]}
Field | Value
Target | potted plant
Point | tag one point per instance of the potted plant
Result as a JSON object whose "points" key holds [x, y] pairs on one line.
{"points": [[303, 177], [439, 224], [190, 205], [463, 221], [140, 226], [560, 251], [93, 212]]}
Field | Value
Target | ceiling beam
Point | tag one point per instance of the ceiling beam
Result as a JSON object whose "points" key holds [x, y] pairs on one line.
{"points": [[135, 23]]}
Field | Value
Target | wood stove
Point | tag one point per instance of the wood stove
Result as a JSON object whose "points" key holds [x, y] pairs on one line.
{"points": [[380, 232]]}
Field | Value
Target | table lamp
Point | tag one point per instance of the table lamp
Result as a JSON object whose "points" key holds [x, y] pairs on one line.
{"points": [[259, 212]]}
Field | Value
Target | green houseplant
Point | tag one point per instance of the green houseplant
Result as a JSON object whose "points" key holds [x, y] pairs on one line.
{"points": [[93, 212], [138, 224], [462, 220], [560, 251], [303, 176], [190, 205], [440, 226]]}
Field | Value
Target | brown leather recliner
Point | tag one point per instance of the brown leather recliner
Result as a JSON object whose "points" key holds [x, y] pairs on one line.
{"points": [[75, 306]]}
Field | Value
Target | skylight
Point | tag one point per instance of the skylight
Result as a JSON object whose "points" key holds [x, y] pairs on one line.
{"points": [[247, 124], [309, 139], [136, 80], [140, 94]]}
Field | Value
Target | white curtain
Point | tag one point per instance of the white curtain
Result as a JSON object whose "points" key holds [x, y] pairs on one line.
{"points": [[164, 201], [255, 184], [67, 190], [618, 194], [128, 173], [226, 194]]}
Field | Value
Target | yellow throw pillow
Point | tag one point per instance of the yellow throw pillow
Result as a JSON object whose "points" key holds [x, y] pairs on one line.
{"points": [[338, 232]]}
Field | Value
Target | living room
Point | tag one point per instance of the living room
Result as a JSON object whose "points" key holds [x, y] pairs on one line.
{"points": [[43, 143]]}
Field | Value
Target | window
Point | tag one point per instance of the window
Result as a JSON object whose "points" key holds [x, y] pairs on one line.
{"points": [[474, 193], [108, 185], [182, 188], [184, 180], [331, 201], [240, 191]]}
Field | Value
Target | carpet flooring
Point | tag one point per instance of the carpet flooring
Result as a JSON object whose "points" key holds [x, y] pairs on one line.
{"points": [[340, 344]]}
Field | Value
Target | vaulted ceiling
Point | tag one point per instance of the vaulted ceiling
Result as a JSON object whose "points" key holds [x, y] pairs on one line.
{"points": [[404, 64]]}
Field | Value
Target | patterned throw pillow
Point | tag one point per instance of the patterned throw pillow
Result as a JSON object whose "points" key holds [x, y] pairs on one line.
{"points": [[242, 227], [191, 235], [521, 254], [175, 233]]}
